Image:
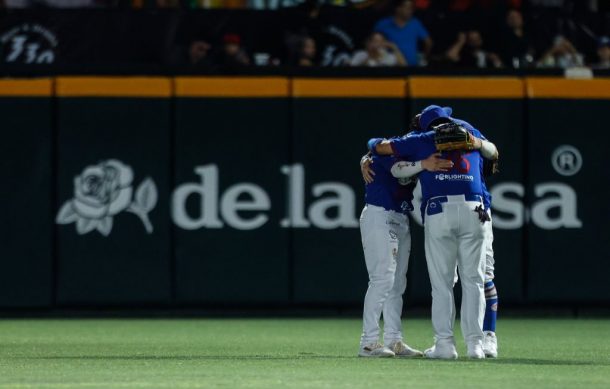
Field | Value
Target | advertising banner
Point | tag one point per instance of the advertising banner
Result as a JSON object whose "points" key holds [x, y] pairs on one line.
{"points": [[113, 180], [567, 242], [26, 195], [332, 121], [233, 177]]}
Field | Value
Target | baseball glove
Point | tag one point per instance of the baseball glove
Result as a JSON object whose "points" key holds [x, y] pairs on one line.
{"points": [[490, 167], [452, 136]]}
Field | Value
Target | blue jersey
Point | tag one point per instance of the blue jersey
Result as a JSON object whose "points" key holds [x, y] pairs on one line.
{"points": [[406, 37], [466, 176], [469, 127], [386, 191]]}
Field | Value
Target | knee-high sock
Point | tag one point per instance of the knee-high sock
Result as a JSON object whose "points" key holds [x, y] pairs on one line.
{"points": [[491, 307]]}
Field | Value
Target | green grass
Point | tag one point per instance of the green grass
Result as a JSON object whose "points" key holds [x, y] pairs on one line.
{"points": [[270, 353]]}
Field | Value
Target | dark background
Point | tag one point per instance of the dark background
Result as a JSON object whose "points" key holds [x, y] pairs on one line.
{"points": [[50, 140]]}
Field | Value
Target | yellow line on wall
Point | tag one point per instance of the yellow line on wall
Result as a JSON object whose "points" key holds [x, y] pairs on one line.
{"points": [[466, 87], [113, 87], [232, 87], [561, 88], [375, 88], [26, 87]]}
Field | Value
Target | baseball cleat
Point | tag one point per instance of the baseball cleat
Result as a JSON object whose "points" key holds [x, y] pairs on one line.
{"points": [[375, 350], [442, 350], [475, 350], [490, 344], [401, 349]]}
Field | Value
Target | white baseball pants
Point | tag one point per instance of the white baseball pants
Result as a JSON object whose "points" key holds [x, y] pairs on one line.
{"points": [[456, 236], [386, 241], [489, 251]]}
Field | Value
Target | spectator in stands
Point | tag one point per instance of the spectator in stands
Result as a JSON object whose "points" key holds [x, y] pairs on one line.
{"points": [[378, 52], [306, 52], [468, 52], [199, 53], [562, 54], [233, 56], [516, 49], [406, 31], [603, 52], [334, 45]]}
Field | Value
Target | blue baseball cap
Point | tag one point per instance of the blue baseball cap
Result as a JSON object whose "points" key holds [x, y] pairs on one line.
{"points": [[604, 41], [431, 113]]}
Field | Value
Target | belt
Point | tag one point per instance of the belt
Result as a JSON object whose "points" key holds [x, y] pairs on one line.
{"points": [[434, 206], [377, 207]]}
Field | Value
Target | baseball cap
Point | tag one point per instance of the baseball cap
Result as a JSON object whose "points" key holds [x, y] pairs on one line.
{"points": [[431, 113], [603, 41]]}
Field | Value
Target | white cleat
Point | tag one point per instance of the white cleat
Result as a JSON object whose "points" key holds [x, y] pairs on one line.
{"points": [[475, 350], [490, 345], [403, 350], [375, 350], [444, 349]]}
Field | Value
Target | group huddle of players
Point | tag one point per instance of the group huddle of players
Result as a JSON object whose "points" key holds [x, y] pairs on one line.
{"points": [[450, 159]]}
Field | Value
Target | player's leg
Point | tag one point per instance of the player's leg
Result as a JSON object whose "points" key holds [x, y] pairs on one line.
{"points": [[378, 246], [392, 309], [471, 264], [490, 343], [441, 254]]}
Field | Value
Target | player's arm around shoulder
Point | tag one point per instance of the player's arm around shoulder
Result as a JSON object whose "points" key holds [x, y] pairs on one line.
{"points": [[400, 147], [434, 163], [380, 146]]}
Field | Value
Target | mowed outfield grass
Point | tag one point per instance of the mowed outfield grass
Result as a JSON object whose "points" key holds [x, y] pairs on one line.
{"points": [[274, 353]]}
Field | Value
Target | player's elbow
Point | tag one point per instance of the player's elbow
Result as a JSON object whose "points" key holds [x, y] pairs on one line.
{"points": [[384, 148], [489, 150]]}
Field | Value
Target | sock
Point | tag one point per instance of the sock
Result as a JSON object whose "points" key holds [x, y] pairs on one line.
{"points": [[491, 307]]}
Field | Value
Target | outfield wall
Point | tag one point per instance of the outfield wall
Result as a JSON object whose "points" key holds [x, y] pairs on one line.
{"points": [[187, 191]]}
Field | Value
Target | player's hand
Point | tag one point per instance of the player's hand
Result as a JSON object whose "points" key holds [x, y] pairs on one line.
{"points": [[476, 143], [366, 170], [434, 163]]}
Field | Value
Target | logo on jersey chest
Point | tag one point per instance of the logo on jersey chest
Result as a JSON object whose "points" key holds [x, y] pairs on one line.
{"points": [[454, 177], [461, 164]]}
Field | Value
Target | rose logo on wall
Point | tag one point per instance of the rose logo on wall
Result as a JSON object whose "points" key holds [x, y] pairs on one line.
{"points": [[101, 191]]}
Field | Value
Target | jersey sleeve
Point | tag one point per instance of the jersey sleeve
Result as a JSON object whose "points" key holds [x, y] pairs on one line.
{"points": [[406, 169], [380, 26], [470, 128], [422, 33], [478, 134], [407, 146], [386, 162]]}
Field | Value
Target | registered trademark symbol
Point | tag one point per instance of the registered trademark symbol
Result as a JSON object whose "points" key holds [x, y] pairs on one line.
{"points": [[566, 160]]}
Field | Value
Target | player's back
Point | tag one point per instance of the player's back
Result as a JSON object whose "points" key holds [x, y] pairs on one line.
{"points": [[464, 178], [386, 191]]}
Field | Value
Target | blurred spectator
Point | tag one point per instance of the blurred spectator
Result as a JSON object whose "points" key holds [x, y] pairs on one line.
{"points": [[334, 45], [307, 52], [378, 52], [468, 52], [54, 3], [603, 52], [516, 50], [406, 31], [199, 53], [562, 55], [233, 56]]}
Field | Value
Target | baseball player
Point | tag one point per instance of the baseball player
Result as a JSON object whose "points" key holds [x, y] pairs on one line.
{"points": [[386, 241], [454, 217], [407, 170]]}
